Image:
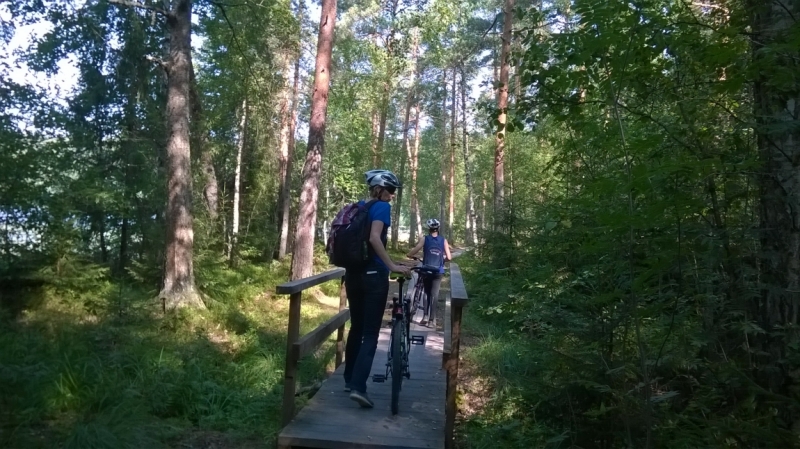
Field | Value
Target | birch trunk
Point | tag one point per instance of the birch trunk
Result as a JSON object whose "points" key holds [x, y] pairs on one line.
{"points": [[237, 179]]}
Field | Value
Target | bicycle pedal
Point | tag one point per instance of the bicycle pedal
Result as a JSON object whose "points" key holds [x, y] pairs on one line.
{"points": [[417, 340], [379, 378]]}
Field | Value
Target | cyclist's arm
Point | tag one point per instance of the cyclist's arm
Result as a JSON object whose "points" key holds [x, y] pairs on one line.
{"points": [[447, 250], [416, 249], [375, 240]]}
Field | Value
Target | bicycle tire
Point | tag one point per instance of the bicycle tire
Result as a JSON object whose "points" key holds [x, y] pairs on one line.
{"points": [[416, 300], [397, 363]]}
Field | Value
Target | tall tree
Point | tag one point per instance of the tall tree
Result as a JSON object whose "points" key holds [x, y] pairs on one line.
{"points": [[237, 181], [470, 230], [777, 112], [288, 114], [413, 158], [452, 186], [303, 254], [443, 159], [502, 107], [179, 288]]}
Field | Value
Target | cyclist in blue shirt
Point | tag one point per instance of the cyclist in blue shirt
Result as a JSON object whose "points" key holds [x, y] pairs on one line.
{"points": [[368, 288], [435, 251]]}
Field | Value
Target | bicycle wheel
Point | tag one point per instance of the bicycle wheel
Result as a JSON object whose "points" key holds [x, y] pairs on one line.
{"points": [[416, 300], [397, 362]]}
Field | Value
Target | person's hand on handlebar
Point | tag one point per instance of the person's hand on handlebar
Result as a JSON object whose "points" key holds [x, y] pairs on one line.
{"points": [[405, 271]]}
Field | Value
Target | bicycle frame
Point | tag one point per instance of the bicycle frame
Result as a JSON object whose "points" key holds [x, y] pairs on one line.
{"points": [[401, 311]]}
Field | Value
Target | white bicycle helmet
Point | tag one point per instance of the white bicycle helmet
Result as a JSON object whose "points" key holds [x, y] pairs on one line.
{"points": [[383, 178], [433, 223]]}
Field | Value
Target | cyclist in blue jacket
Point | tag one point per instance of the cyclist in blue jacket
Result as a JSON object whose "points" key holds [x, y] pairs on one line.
{"points": [[435, 251], [368, 288]]}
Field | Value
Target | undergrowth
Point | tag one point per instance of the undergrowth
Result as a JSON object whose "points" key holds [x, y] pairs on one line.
{"points": [[91, 362]]}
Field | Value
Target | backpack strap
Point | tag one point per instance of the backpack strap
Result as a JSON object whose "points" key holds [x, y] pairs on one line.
{"points": [[368, 205]]}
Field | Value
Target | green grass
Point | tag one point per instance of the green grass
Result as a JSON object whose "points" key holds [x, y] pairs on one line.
{"points": [[96, 365], [498, 368]]}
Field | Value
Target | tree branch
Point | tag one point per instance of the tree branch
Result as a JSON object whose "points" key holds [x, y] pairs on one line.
{"points": [[133, 4], [158, 61]]}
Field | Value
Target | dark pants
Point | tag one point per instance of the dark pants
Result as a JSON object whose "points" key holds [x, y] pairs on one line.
{"points": [[431, 284], [367, 291]]}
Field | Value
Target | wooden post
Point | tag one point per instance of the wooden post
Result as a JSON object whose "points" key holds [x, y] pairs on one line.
{"points": [[340, 332], [290, 374], [452, 378]]}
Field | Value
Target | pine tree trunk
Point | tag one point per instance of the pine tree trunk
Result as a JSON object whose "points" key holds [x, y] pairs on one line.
{"points": [[416, 231], [381, 130], [502, 106], [124, 232], [210, 189], [179, 289], [210, 185], [376, 160], [237, 179], [303, 254], [452, 206], [443, 187], [101, 230], [403, 156], [777, 108], [482, 215], [470, 236], [284, 157], [495, 76]]}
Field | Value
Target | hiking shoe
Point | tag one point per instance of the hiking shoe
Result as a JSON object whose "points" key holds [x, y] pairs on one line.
{"points": [[362, 399]]}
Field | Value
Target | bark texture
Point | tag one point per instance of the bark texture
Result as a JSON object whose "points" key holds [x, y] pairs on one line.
{"points": [[403, 157], [502, 106], [416, 230], [452, 204], [470, 231], [237, 181], [179, 289], [303, 254], [777, 112], [288, 110]]}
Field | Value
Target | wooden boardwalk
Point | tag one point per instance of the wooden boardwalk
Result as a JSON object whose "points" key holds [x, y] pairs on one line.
{"points": [[332, 420], [427, 408]]}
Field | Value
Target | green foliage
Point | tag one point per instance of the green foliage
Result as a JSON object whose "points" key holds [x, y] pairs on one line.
{"points": [[119, 374], [613, 304]]}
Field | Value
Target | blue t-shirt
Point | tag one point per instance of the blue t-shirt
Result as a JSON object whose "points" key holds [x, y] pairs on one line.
{"points": [[381, 211]]}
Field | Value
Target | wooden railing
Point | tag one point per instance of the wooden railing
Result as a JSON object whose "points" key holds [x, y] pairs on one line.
{"points": [[452, 342], [297, 347]]}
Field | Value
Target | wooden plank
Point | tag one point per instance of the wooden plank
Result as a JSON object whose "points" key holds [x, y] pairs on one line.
{"points": [[290, 372], [299, 285], [458, 293], [347, 437], [448, 332], [349, 413], [340, 331], [332, 420], [313, 339], [452, 380]]}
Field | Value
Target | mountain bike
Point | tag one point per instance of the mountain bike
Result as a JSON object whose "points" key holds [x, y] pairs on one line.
{"points": [[397, 366]]}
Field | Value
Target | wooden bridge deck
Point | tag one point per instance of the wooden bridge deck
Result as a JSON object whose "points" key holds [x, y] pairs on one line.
{"points": [[332, 420]]}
